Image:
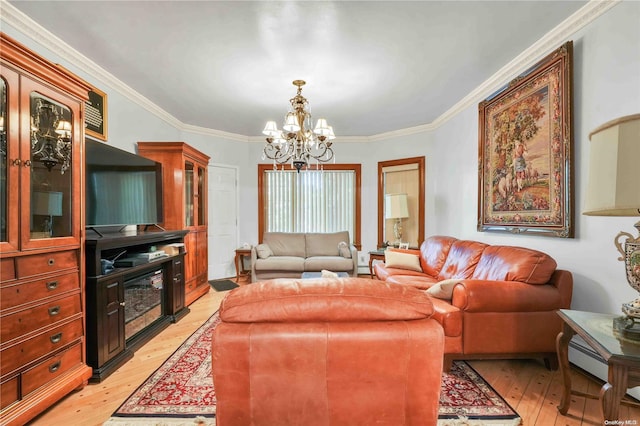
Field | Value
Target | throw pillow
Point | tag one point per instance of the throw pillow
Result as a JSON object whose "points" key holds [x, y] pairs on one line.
{"points": [[264, 251], [443, 289], [396, 259], [328, 274], [343, 249]]}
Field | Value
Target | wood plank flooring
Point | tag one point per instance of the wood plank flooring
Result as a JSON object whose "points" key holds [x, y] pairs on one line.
{"points": [[531, 389]]}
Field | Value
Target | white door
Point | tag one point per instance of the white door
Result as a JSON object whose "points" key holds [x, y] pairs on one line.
{"points": [[223, 220]]}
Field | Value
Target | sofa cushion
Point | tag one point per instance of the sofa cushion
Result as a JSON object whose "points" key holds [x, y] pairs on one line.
{"points": [[397, 259], [263, 251], [324, 299], [280, 263], [507, 263], [419, 281], [325, 244], [285, 243], [332, 263], [433, 253], [462, 259]]}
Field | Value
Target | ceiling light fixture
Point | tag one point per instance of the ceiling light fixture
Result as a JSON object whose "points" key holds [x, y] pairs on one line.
{"points": [[296, 143]]}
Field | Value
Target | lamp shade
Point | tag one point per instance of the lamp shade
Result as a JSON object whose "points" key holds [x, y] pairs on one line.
{"points": [[613, 187], [396, 206], [47, 203]]}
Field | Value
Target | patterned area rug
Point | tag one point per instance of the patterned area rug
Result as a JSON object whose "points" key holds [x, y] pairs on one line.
{"points": [[181, 392]]}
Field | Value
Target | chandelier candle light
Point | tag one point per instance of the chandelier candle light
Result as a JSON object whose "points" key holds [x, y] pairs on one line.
{"points": [[296, 143]]}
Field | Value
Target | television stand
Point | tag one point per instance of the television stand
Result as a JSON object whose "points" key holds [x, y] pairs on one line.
{"points": [[127, 306]]}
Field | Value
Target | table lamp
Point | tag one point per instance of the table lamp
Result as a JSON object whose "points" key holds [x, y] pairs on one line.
{"points": [[614, 189], [396, 208], [47, 204]]}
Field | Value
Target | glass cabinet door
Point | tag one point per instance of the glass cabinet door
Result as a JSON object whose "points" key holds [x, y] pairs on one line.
{"points": [[201, 196], [189, 193], [50, 171], [9, 160], [51, 152]]}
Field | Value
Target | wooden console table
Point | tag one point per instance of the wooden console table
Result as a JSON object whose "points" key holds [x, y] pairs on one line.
{"points": [[241, 253], [621, 354]]}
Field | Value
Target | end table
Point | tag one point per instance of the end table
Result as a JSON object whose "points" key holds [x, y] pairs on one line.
{"points": [[241, 253], [621, 354], [375, 255]]}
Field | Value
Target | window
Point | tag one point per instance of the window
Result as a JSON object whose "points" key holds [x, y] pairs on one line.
{"points": [[325, 200]]}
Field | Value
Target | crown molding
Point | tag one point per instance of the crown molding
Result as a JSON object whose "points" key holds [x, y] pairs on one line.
{"points": [[549, 42], [584, 16]]}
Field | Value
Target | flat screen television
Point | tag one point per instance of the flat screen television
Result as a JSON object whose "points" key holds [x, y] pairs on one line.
{"points": [[121, 188]]}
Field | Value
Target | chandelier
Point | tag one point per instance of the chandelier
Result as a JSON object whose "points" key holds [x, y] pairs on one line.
{"points": [[296, 143], [50, 135]]}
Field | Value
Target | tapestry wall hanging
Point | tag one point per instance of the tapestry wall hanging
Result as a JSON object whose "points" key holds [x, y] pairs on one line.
{"points": [[525, 151]]}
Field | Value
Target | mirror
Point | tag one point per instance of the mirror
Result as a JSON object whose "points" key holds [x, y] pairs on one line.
{"points": [[401, 202]]}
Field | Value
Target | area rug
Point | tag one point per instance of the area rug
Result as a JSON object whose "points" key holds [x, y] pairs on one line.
{"points": [[181, 392], [223, 285]]}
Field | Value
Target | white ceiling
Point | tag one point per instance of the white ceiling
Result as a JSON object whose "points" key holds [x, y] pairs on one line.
{"points": [[370, 67]]}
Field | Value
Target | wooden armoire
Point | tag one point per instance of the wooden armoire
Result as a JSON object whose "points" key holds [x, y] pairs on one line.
{"points": [[42, 285], [184, 187]]}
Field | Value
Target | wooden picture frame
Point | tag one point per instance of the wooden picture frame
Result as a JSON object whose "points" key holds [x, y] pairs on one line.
{"points": [[525, 151], [95, 114]]}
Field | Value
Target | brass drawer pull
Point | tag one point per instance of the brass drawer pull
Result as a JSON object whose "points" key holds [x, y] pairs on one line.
{"points": [[56, 338], [27, 163], [54, 367], [52, 285], [16, 162], [54, 310], [177, 262], [51, 262]]}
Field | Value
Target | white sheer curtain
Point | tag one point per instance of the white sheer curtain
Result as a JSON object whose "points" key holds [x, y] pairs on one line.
{"points": [[310, 201]]}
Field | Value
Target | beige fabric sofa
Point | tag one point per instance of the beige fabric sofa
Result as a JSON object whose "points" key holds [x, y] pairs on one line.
{"points": [[288, 255]]}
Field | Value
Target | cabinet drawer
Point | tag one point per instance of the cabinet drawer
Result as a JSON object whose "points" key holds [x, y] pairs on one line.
{"points": [[32, 319], [9, 392], [19, 294], [27, 266], [50, 369], [18, 355], [7, 270], [178, 266], [190, 286]]}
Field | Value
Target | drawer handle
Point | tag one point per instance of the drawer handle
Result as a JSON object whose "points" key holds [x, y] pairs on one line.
{"points": [[54, 367], [16, 162], [51, 262], [56, 338], [54, 310], [178, 262], [52, 285]]}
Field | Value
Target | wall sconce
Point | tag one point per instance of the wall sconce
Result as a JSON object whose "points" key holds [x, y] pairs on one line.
{"points": [[50, 133], [614, 190], [396, 208]]}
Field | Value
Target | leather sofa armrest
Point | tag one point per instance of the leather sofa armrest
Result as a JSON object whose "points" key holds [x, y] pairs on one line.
{"points": [[505, 296]]}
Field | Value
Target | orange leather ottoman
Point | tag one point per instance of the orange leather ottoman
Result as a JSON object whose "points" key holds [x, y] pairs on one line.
{"points": [[343, 351]]}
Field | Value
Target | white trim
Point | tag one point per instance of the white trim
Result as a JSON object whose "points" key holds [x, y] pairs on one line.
{"points": [[585, 15]]}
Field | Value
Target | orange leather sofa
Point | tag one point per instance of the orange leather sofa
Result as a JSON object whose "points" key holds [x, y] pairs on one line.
{"points": [[327, 351], [504, 298]]}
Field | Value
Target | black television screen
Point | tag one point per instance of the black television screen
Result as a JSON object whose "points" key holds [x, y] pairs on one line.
{"points": [[121, 188]]}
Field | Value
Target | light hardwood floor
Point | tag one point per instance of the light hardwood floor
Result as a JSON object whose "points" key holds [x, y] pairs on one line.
{"points": [[532, 390]]}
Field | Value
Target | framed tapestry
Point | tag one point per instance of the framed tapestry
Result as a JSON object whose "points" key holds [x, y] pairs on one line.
{"points": [[525, 151]]}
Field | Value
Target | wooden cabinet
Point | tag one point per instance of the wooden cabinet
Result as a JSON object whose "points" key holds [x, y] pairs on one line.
{"points": [[42, 350], [128, 305], [184, 175]]}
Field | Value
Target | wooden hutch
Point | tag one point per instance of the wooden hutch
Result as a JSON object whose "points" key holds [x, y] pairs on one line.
{"points": [[42, 285], [184, 176]]}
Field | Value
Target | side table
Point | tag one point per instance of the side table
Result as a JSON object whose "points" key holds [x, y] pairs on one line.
{"points": [[621, 354], [241, 253], [375, 255]]}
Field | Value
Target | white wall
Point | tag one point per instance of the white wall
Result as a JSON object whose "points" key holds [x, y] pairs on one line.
{"points": [[606, 86]]}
